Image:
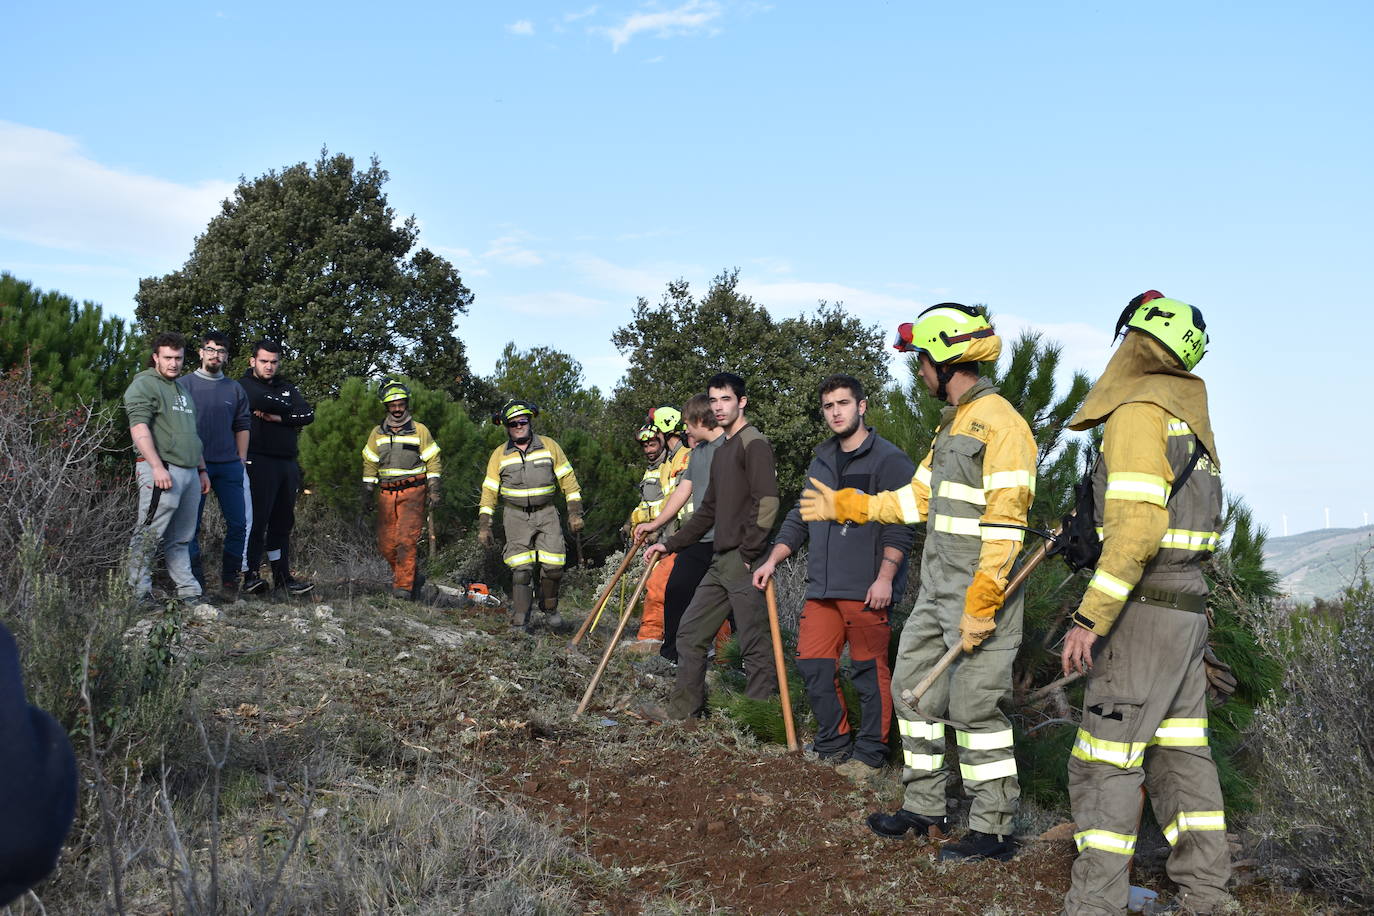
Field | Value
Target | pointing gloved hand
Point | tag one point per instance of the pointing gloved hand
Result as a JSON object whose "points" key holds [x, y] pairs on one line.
{"points": [[484, 532], [1221, 680], [820, 503], [435, 492], [982, 601]]}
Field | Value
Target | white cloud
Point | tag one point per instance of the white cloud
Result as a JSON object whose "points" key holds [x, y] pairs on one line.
{"points": [[521, 27], [52, 194], [581, 14], [508, 250], [554, 304], [692, 17], [635, 281]]}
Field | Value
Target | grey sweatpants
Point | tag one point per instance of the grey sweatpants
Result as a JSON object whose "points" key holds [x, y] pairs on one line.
{"points": [[172, 527]]}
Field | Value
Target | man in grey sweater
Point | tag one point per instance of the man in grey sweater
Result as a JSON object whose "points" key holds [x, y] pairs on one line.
{"points": [[850, 573], [170, 468], [222, 421]]}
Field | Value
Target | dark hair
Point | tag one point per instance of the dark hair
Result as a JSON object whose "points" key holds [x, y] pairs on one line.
{"points": [[271, 346], [840, 380], [170, 339], [697, 411], [217, 337], [726, 380]]}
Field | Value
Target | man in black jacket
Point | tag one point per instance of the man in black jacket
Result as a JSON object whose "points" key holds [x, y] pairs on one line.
{"points": [[274, 477], [850, 572]]}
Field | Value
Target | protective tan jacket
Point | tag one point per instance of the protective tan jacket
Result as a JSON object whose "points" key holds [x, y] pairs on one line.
{"points": [[407, 452], [528, 479], [652, 492], [1152, 546], [979, 472]]}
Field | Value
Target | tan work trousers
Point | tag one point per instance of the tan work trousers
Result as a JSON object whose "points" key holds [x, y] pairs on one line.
{"points": [[1145, 723]]}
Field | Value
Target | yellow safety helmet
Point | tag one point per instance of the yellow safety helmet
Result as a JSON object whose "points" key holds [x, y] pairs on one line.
{"points": [[950, 333]]}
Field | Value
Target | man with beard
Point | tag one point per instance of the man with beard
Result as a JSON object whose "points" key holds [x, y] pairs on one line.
{"points": [[222, 420], [401, 459], [524, 473], [274, 478], [741, 503], [849, 583], [652, 493]]}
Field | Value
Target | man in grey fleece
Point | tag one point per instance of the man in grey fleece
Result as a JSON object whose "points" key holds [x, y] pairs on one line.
{"points": [[222, 420], [170, 468], [850, 573]]}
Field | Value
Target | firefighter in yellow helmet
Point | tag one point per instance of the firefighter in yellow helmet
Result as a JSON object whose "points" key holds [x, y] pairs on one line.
{"points": [[973, 488], [1140, 632], [401, 459], [524, 475]]}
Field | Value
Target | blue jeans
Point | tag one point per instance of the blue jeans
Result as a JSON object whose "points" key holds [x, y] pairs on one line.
{"points": [[230, 484]]}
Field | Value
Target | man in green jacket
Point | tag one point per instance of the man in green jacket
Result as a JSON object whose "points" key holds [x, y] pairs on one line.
{"points": [[170, 469]]}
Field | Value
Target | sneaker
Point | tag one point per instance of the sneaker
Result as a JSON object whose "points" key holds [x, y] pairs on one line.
{"points": [[977, 845], [857, 770], [900, 821], [301, 586], [253, 584]]}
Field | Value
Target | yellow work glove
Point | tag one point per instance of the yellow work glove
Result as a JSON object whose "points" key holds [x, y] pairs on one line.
{"points": [[821, 504], [982, 601]]}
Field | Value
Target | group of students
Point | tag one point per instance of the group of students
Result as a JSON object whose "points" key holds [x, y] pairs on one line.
{"points": [[1139, 634], [201, 431]]}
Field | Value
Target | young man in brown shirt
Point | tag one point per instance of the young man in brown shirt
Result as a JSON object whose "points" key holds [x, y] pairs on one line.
{"points": [[741, 503]]}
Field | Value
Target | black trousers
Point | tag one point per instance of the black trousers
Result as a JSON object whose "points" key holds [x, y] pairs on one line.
{"points": [[274, 483], [691, 564]]}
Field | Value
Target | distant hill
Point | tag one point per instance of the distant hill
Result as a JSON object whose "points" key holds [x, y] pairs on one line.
{"points": [[1318, 564]]}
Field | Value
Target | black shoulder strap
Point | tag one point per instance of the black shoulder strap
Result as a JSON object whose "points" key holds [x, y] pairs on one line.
{"points": [[1187, 471]]}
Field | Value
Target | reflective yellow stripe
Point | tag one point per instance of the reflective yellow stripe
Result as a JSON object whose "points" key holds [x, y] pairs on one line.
{"points": [[953, 525], [1194, 820], [520, 559], [486, 510], [982, 772], [521, 493], [1123, 754], [575, 495], [962, 492], [539, 454], [552, 559], [369, 480], [491, 484], [923, 475], [928, 731], [906, 501], [370, 455], [1105, 840], [563, 470], [992, 532], [1181, 539], [983, 741], [1108, 584], [1179, 428], [1145, 488], [998, 480], [400, 472], [1181, 733], [432, 476], [404, 440], [926, 762], [429, 452]]}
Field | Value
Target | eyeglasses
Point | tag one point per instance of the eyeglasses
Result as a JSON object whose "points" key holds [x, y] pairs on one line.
{"points": [[512, 424], [215, 351]]}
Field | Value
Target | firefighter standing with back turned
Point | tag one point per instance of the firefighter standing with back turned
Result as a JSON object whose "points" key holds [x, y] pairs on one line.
{"points": [[976, 484], [1141, 629], [524, 473], [402, 460]]}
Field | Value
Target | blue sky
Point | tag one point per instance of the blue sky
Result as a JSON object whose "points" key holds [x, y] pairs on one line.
{"points": [[1050, 160]]}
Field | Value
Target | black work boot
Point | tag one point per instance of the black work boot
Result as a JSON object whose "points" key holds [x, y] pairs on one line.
{"points": [[521, 597], [417, 589], [281, 576], [978, 845], [900, 821]]}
